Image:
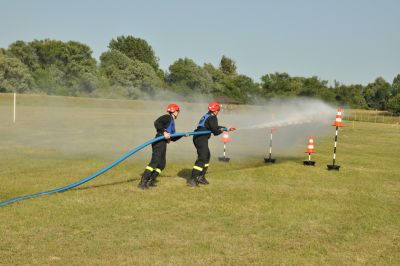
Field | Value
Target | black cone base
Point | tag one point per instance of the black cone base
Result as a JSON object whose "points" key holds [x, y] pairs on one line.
{"points": [[269, 160], [311, 163], [224, 159], [333, 167]]}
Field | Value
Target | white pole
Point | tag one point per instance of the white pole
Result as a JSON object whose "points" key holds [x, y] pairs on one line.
{"points": [[270, 145], [15, 103], [224, 149]]}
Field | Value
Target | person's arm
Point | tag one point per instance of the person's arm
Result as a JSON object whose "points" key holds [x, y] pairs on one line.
{"points": [[176, 138], [214, 127], [162, 123]]}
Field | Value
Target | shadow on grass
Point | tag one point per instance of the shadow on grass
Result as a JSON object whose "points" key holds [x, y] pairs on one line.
{"points": [[185, 173], [109, 184]]}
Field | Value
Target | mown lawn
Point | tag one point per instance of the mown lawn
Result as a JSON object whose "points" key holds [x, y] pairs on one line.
{"points": [[250, 214]]}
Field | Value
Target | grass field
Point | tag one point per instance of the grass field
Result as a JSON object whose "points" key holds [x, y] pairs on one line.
{"points": [[250, 214], [372, 116]]}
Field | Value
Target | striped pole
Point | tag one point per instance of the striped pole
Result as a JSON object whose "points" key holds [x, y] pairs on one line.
{"points": [[334, 166], [269, 159], [224, 150], [270, 146], [337, 123], [334, 148]]}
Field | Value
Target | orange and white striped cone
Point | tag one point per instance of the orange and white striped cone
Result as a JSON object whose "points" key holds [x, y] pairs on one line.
{"points": [[337, 124], [309, 150], [225, 140], [338, 120]]}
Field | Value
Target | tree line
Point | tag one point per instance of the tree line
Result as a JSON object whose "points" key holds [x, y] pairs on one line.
{"points": [[129, 69]]}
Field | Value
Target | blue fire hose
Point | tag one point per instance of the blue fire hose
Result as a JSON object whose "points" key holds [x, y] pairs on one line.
{"points": [[102, 171]]}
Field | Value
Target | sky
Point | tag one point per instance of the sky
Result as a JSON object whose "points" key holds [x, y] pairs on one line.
{"points": [[350, 41]]}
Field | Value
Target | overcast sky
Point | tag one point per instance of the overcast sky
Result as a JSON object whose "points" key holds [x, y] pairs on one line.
{"points": [[352, 41]]}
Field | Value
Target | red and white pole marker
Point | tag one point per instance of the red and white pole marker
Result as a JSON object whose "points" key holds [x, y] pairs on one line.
{"points": [[337, 124], [270, 159], [225, 140], [309, 150]]}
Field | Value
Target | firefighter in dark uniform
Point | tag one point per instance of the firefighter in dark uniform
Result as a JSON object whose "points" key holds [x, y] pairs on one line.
{"points": [[207, 122], [165, 125]]}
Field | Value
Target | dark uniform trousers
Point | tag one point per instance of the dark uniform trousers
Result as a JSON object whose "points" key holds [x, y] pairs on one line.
{"points": [[158, 160], [203, 155]]}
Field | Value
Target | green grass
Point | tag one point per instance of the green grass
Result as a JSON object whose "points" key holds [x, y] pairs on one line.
{"points": [[371, 116], [250, 214]]}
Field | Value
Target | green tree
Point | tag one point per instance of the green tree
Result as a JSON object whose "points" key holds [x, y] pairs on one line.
{"points": [[26, 53], [351, 95], [14, 75], [45, 81], [396, 85], [217, 77], [314, 87], [125, 72], [69, 64], [227, 66], [216, 74], [240, 87], [377, 94], [280, 84], [394, 104], [136, 49], [191, 77]]}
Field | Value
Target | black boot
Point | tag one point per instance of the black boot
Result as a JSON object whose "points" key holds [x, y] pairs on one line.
{"points": [[192, 182], [202, 180], [143, 184], [153, 179]]}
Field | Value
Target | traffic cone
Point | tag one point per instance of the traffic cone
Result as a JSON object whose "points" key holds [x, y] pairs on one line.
{"points": [[338, 120], [309, 150], [225, 137], [337, 124], [225, 140]]}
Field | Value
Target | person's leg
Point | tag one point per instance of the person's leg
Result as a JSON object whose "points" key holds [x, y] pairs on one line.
{"points": [[155, 159], [201, 145], [160, 166], [202, 178]]}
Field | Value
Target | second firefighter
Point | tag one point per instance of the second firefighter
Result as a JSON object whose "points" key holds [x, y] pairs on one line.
{"points": [[208, 122], [165, 126]]}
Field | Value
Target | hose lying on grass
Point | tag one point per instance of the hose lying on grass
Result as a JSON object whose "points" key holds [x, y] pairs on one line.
{"points": [[102, 171]]}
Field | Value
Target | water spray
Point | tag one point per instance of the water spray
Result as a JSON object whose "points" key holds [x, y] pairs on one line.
{"points": [[337, 124]]}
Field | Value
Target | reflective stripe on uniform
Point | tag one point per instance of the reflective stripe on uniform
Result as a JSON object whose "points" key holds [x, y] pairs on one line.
{"points": [[206, 165], [197, 168], [149, 168], [158, 170]]}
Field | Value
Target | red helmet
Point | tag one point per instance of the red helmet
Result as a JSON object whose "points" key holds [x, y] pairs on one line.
{"points": [[172, 108], [214, 106]]}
